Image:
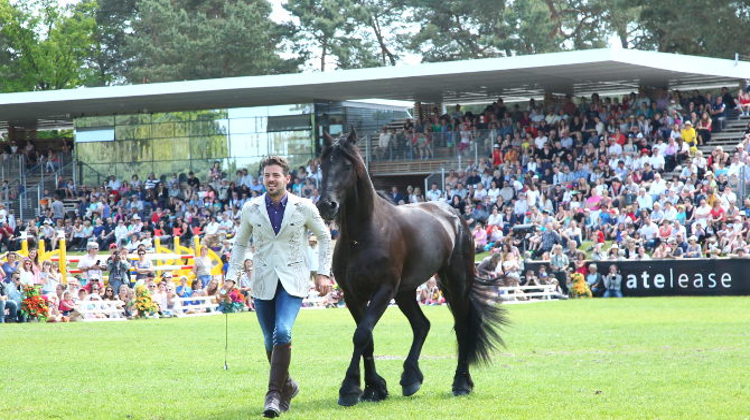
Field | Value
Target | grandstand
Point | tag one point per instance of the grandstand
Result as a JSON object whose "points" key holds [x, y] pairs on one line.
{"points": [[178, 160]]}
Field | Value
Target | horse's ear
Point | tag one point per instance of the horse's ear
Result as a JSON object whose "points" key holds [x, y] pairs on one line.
{"points": [[352, 139], [327, 139]]}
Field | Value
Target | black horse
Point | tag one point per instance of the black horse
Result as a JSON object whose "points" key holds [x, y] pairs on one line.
{"points": [[385, 252]]}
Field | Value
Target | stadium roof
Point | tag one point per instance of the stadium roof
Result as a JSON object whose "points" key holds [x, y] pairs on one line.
{"points": [[577, 72]]}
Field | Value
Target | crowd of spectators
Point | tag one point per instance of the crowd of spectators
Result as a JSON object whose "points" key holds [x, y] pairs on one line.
{"points": [[624, 176], [625, 172], [125, 216]]}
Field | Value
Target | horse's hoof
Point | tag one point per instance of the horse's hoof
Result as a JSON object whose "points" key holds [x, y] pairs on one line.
{"points": [[374, 395], [349, 399], [461, 391], [412, 389]]}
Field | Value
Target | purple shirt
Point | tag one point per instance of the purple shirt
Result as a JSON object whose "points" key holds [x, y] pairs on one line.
{"points": [[276, 212]]}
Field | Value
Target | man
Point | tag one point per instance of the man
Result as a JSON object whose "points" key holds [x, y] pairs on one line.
{"points": [[119, 269], [121, 233], [434, 194], [395, 195], [91, 264], [58, 208], [10, 298], [278, 221], [7, 237], [595, 281]]}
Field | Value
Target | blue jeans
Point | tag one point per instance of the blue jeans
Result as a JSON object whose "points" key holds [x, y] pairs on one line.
{"points": [[612, 293], [204, 280], [12, 308], [276, 317]]}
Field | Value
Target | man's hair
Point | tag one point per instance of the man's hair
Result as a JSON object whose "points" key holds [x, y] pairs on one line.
{"points": [[275, 160]]}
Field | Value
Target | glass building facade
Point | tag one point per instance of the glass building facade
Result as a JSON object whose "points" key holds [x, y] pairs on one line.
{"points": [[179, 142]]}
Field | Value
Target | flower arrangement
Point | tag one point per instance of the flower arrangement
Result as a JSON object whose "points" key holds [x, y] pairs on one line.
{"points": [[143, 303], [33, 305], [579, 288], [232, 302]]}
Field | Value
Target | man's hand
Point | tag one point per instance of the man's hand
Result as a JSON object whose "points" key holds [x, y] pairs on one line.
{"points": [[323, 284]]}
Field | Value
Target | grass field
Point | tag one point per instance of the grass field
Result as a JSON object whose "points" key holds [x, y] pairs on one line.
{"points": [[649, 358]]}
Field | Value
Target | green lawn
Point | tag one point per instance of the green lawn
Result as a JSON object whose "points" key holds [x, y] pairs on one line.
{"points": [[648, 358]]}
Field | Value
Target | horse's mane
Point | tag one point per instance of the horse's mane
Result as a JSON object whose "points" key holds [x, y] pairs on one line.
{"points": [[350, 151], [383, 195]]}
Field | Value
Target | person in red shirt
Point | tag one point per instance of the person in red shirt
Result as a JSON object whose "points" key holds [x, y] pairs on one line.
{"points": [[6, 236], [156, 215], [497, 155], [717, 212]]}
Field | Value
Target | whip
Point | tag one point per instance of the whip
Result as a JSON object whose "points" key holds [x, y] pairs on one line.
{"points": [[226, 339]]}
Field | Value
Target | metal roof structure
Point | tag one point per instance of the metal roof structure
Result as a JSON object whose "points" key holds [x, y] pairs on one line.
{"points": [[606, 71]]}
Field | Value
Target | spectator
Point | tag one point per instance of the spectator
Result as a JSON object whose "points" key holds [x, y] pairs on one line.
{"points": [[595, 281], [118, 268], [9, 299], [12, 298], [560, 263], [143, 267], [613, 283], [49, 278], [202, 267], [10, 265]]}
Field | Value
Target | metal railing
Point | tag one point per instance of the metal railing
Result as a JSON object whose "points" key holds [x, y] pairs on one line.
{"points": [[743, 187], [29, 203], [434, 145], [437, 177], [13, 167], [85, 174]]}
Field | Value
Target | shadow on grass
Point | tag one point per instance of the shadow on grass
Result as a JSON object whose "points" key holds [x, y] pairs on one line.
{"points": [[326, 407]]}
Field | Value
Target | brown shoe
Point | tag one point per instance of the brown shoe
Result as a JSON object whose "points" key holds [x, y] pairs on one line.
{"points": [[280, 358], [288, 391], [271, 408]]}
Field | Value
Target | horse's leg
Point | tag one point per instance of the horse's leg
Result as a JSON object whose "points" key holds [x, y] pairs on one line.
{"points": [[350, 391], [411, 379], [352, 379], [376, 388], [455, 289]]}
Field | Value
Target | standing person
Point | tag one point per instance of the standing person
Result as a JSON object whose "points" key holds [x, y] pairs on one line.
{"points": [[91, 264], [559, 263], [202, 266], [613, 283], [119, 269], [277, 222]]}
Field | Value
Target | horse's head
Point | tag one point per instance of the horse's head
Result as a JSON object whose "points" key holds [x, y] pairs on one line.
{"points": [[340, 165]]}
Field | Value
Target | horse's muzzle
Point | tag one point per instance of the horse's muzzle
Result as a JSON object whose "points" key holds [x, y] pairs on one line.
{"points": [[328, 209]]}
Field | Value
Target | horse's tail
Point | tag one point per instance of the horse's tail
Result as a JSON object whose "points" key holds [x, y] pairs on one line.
{"points": [[485, 320], [478, 319]]}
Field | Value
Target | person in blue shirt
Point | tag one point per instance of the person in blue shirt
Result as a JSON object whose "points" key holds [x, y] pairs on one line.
{"points": [[10, 298], [10, 266]]}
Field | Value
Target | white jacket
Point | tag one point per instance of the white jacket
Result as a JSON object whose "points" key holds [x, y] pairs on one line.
{"points": [[280, 257]]}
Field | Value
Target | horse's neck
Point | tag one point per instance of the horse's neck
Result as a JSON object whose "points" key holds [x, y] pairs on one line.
{"points": [[359, 207]]}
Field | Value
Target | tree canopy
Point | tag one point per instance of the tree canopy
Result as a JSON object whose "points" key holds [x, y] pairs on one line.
{"points": [[44, 45]]}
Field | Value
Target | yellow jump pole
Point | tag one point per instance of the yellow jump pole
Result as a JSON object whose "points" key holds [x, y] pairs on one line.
{"points": [[41, 250], [63, 263], [197, 245], [24, 244], [176, 240]]}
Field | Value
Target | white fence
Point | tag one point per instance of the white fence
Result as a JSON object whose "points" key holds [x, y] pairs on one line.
{"points": [[522, 293], [195, 306], [101, 310]]}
